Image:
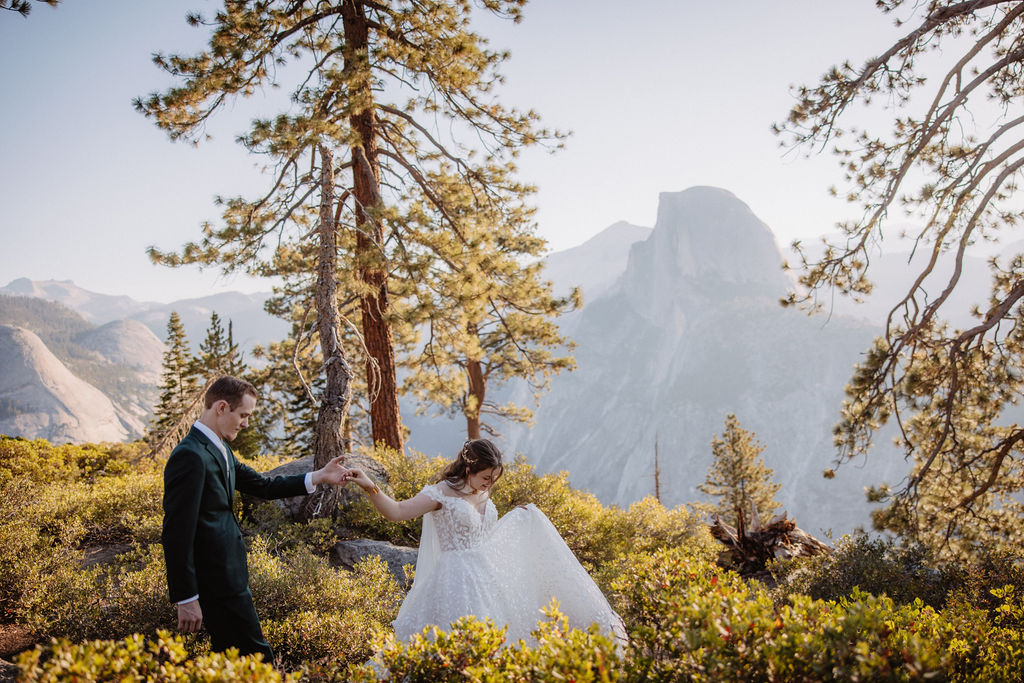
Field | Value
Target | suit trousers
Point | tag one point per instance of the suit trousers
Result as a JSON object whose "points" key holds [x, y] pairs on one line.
{"points": [[232, 622]]}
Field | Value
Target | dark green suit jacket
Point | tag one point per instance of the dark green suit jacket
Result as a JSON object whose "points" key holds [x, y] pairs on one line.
{"points": [[203, 545]]}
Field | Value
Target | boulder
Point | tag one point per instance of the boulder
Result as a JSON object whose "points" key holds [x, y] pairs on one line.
{"points": [[347, 553]]}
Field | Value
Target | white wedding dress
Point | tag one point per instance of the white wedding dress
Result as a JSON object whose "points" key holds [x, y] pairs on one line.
{"points": [[472, 563]]}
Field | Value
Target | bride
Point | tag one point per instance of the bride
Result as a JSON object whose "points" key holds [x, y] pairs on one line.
{"points": [[472, 563]]}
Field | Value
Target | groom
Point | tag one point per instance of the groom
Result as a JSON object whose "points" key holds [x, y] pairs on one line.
{"points": [[207, 574]]}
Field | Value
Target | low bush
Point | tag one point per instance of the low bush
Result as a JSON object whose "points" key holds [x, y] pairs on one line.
{"points": [[115, 510], [101, 602], [476, 650], [901, 570], [164, 659], [279, 533], [690, 621], [313, 612], [871, 563], [43, 462]]}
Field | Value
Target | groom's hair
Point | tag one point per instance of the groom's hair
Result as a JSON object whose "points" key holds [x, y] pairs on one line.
{"points": [[230, 389]]}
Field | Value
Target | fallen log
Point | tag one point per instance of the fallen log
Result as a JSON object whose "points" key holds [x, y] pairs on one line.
{"points": [[748, 550]]}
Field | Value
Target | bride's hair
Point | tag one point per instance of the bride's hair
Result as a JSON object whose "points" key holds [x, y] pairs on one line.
{"points": [[475, 456]]}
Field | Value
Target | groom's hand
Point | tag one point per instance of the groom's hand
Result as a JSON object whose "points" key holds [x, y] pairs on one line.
{"points": [[332, 473], [190, 617]]}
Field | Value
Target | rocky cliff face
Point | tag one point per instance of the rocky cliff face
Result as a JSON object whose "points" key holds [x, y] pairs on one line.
{"points": [[693, 331], [128, 343], [41, 398]]}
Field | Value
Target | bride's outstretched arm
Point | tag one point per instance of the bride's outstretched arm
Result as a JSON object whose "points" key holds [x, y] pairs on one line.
{"points": [[388, 507]]}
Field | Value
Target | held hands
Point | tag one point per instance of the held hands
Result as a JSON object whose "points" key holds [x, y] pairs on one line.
{"points": [[363, 481], [334, 472]]}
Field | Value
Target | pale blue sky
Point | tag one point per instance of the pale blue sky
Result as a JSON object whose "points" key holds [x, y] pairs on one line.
{"points": [[660, 95]]}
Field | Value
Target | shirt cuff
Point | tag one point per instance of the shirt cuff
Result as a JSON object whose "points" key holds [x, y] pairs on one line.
{"points": [[192, 599], [309, 483]]}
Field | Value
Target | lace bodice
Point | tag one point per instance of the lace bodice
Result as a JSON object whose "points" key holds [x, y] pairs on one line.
{"points": [[460, 526]]}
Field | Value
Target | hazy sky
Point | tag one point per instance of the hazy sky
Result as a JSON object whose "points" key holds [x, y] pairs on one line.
{"points": [[660, 95]]}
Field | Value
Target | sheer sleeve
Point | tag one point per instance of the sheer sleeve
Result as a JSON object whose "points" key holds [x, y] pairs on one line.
{"points": [[432, 492], [430, 545]]}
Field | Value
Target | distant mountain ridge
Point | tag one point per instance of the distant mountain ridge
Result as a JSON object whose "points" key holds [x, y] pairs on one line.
{"points": [[253, 325]]}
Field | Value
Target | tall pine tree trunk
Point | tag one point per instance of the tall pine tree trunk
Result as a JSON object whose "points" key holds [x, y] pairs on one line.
{"points": [[329, 441], [382, 384], [477, 388]]}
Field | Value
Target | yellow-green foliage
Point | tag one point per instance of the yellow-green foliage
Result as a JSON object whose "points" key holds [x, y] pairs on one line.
{"points": [[687, 619], [691, 621], [312, 612], [41, 461], [903, 571], [127, 596], [279, 533], [474, 650], [58, 501], [110, 510], [135, 659]]}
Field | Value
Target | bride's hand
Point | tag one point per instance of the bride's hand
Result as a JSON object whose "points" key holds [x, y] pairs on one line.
{"points": [[360, 478]]}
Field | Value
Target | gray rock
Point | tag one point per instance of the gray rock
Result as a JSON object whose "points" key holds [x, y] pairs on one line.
{"points": [[691, 331], [42, 398], [347, 553]]}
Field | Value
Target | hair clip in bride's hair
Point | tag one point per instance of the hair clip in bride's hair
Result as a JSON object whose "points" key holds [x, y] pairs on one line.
{"points": [[465, 451]]}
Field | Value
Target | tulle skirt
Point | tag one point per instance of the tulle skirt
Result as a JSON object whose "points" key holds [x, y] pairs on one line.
{"points": [[518, 570]]}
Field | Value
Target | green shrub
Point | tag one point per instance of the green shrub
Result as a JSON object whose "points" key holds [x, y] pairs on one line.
{"points": [[690, 621], [982, 579], [872, 564], [43, 462], [311, 611], [901, 570], [476, 650], [275, 526], [134, 658], [135, 596], [24, 556], [126, 509], [77, 603]]}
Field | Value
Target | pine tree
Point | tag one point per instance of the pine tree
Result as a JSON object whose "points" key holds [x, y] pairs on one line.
{"points": [[951, 162], [218, 353], [348, 58], [486, 322], [290, 403], [738, 476], [179, 383]]}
